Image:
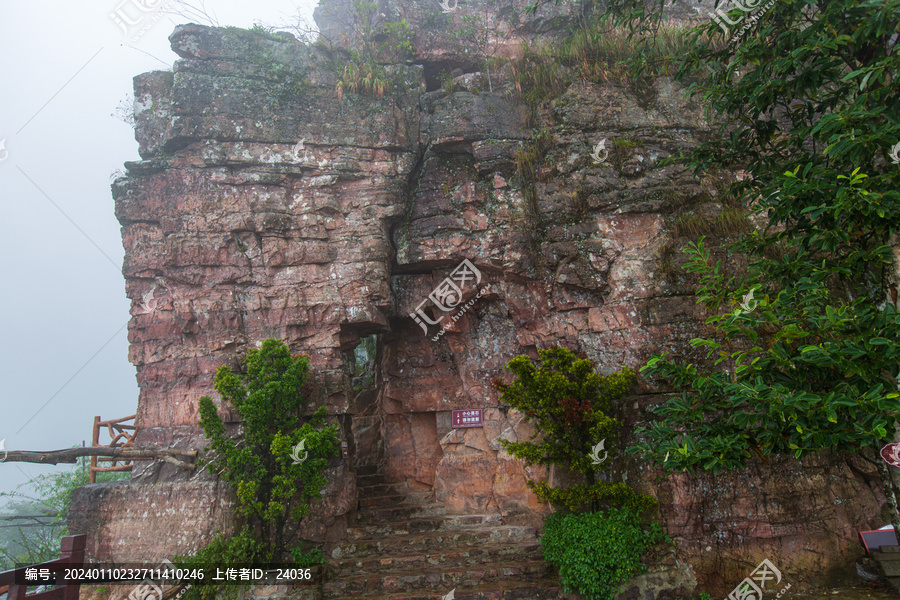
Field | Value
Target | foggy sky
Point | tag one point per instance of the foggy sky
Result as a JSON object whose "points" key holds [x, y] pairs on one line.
{"points": [[66, 66]]}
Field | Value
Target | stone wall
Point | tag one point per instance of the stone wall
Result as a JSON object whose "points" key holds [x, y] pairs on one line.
{"points": [[234, 232]]}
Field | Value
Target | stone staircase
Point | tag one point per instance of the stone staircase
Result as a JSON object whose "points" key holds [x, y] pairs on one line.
{"points": [[405, 547]]}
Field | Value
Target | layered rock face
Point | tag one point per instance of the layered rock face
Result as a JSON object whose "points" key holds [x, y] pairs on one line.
{"points": [[267, 206]]}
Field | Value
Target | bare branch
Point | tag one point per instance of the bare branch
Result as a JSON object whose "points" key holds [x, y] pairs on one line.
{"points": [[71, 455], [193, 11]]}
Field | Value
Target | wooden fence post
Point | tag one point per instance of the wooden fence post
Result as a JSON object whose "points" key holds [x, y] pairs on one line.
{"points": [[95, 441], [72, 552]]}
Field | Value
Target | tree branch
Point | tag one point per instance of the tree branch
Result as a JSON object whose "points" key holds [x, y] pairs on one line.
{"points": [[71, 455]]}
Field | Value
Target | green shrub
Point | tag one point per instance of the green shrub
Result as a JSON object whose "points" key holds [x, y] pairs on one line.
{"points": [[567, 402], [363, 71], [597, 552], [594, 52], [730, 221], [223, 551], [272, 490]]}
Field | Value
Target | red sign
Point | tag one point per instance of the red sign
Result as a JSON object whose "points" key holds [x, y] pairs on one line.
{"points": [[891, 454], [471, 417]]}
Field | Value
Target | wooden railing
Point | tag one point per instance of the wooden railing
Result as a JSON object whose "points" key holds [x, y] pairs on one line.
{"points": [[121, 435], [71, 555]]}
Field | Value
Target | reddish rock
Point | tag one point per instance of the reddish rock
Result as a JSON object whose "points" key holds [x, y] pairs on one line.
{"points": [[232, 235]]}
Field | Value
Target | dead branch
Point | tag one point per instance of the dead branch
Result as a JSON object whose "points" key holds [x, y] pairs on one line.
{"points": [[71, 455]]}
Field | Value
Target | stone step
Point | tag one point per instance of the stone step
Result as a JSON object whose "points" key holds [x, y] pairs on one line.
{"points": [[391, 514], [390, 580], [540, 590], [422, 524], [415, 498], [367, 470], [367, 480], [449, 557], [382, 500], [379, 489], [430, 541], [386, 489]]}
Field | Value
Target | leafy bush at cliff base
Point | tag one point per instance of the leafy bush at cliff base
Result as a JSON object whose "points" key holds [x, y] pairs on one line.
{"points": [[597, 552], [567, 402], [273, 492], [224, 551]]}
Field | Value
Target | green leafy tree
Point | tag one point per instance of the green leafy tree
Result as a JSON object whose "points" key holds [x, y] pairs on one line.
{"points": [[806, 348], [568, 404], [273, 489]]}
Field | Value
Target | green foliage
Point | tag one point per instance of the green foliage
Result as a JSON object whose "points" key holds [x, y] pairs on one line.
{"points": [[446, 79], [593, 494], [811, 370], [596, 552], [730, 221], [34, 522], [363, 71], [595, 52], [273, 493], [480, 36], [530, 155], [286, 83], [236, 550], [806, 99], [567, 402], [363, 357]]}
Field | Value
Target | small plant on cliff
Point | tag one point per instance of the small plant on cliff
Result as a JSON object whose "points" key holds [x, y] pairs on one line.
{"points": [[273, 490], [596, 552], [363, 71], [481, 37], [568, 402]]}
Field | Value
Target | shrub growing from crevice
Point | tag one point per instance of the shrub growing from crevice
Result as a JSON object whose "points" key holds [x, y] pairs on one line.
{"points": [[595, 53], [568, 404], [273, 491], [363, 70]]}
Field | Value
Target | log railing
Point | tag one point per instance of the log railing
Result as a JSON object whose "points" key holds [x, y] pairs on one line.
{"points": [[71, 555], [121, 435]]}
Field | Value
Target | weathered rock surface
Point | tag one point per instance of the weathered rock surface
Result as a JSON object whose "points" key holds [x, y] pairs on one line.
{"points": [[234, 232]]}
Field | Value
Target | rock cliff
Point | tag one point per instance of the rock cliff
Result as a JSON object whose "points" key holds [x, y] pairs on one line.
{"points": [[270, 204]]}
